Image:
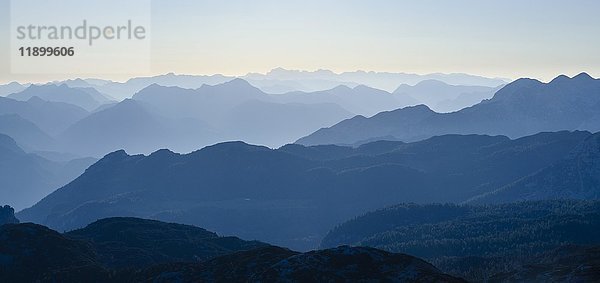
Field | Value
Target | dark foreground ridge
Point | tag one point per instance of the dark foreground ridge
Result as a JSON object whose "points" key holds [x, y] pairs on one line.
{"points": [[138, 250], [524, 239]]}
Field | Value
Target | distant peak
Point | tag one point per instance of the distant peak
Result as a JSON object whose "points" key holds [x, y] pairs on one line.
{"points": [[278, 71], [522, 82], [324, 71], [583, 76], [61, 85], [35, 86], [235, 85], [162, 152], [431, 82], [233, 145], [238, 82], [420, 107], [559, 79], [35, 99], [119, 154], [152, 87], [580, 78], [420, 110], [341, 88]]}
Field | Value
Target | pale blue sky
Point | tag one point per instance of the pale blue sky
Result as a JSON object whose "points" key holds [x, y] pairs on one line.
{"points": [[514, 38]]}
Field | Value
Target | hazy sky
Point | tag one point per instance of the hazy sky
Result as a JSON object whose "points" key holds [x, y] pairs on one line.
{"points": [[514, 38]]}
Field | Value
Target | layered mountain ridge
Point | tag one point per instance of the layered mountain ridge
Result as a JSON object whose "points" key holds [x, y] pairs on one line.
{"points": [[521, 108]]}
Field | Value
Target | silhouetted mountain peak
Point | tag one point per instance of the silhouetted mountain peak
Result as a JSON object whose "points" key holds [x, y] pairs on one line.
{"points": [[341, 88], [580, 78], [583, 76], [560, 79], [324, 72], [7, 215], [160, 242], [234, 146], [116, 155], [238, 83], [85, 97], [236, 87], [411, 110], [153, 86], [36, 100], [277, 70], [157, 90], [358, 118], [14, 84], [525, 82], [163, 153], [111, 229], [41, 86], [518, 87]]}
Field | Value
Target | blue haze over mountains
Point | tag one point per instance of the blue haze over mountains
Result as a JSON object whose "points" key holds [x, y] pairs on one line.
{"points": [[73, 119], [304, 160], [184, 113]]}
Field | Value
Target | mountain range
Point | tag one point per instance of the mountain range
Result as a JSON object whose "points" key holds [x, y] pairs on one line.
{"points": [[521, 108], [75, 112], [50, 117], [276, 81], [187, 119], [291, 196], [87, 98], [11, 88], [134, 126], [280, 80], [124, 90]]}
